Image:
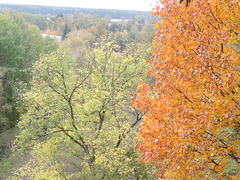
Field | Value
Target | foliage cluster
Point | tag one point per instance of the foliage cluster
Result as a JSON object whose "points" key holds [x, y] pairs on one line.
{"points": [[191, 125], [19, 46], [80, 123]]}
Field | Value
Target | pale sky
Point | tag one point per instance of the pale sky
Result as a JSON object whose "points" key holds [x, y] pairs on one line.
{"points": [[140, 5]]}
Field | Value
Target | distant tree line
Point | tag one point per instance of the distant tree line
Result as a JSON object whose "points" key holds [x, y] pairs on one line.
{"points": [[35, 9], [133, 29]]}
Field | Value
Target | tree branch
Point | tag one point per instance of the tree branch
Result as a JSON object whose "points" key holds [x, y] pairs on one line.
{"points": [[123, 135]]}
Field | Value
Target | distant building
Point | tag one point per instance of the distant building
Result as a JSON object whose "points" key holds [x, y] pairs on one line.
{"points": [[120, 20], [58, 38]]}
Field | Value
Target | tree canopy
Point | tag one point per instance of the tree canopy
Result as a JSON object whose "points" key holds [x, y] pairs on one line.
{"points": [[80, 122], [191, 124], [20, 45], [16, 54]]}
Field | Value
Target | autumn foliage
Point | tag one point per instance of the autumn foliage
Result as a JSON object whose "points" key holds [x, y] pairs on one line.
{"points": [[191, 123]]}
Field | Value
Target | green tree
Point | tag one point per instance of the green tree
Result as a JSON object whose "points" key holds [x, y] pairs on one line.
{"points": [[148, 30], [20, 45], [121, 39], [16, 54], [101, 27], [115, 27], [66, 31], [41, 45], [59, 25], [108, 18], [40, 21], [37, 19], [85, 21], [80, 122], [79, 38]]}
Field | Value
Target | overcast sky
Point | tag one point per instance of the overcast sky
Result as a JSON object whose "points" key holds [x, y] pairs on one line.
{"points": [[141, 5]]}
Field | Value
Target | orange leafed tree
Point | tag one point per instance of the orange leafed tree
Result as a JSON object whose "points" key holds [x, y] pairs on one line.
{"points": [[191, 124]]}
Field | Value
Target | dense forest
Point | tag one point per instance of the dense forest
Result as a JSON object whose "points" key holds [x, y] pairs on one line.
{"points": [[114, 94]]}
